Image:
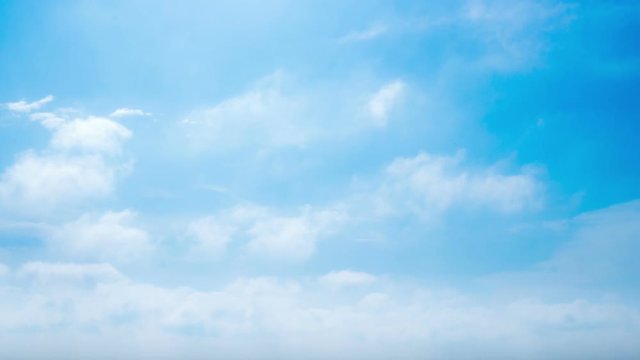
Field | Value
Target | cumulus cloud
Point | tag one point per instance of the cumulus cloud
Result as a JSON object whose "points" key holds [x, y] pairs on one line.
{"points": [[434, 188], [25, 107], [110, 236], [292, 237], [124, 112], [81, 162], [431, 183], [383, 101], [288, 237], [41, 183], [375, 320], [425, 186], [299, 319], [91, 134], [266, 232]]}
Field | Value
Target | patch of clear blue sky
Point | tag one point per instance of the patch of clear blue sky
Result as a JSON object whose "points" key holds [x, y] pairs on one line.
{"points": [[574, 110]]}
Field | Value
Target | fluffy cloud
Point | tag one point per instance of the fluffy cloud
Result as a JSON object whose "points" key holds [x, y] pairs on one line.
{"points": [[93, 134], [111, 235], [391, 318], [81, 162], [25, 107], [41, 183], [295, 318], [292, 237], [426, 186], [265, 232], [383, 101], [124, 112], [430, 183], [288, 237]]}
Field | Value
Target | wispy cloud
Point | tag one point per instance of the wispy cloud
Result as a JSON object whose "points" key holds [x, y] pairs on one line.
{"points": [[47, 119], [273, 115], [125, 112], [384, 100], [23, 106], [365, 35]]}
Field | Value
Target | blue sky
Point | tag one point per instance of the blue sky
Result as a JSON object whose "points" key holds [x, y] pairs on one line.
{"points": [[324, 180]]}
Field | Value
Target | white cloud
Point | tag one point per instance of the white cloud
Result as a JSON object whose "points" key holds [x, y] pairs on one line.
{"points": [[91, 134], [383, 101], [123, 112], [382, 320], [259, 118], [428, 183], [511, 32], [95, 134], [264, 232], [250, 317], [81, 162], [275, 114], [42, 183], [287, 237], [424, 185], [364, 35], [347, 278], [112, 236], [292, 237], [47, 119], [25, 107]]}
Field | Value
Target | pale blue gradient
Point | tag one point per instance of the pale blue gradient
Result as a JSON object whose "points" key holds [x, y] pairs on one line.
{"points": [[481, 150]]}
